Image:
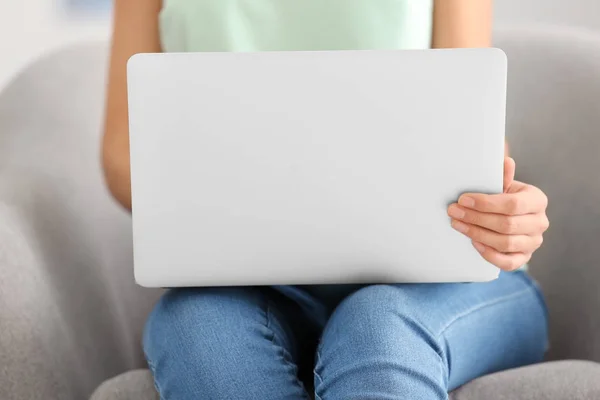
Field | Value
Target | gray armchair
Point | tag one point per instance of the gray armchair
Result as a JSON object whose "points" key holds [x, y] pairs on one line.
{"points": [[71, 315]]}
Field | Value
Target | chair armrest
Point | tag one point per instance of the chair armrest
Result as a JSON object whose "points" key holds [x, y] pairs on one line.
{"points": [[553, 126], [70, 313], [69, 310], [559, 380], [56, 322]]}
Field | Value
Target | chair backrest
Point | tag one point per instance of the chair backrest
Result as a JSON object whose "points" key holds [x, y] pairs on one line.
{"points": [[79, 276], [553, 127]]}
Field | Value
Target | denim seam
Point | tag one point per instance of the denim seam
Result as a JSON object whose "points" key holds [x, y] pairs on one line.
{"points": [[317, 397], [439, 349], [268, 323], [153, 370], [535, 286], [272, 338], [478, 308], [482, 306]]}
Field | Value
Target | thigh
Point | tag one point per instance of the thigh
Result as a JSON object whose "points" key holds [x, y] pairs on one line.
{"points": [[225, 343], [483, 327], [427, 339]]}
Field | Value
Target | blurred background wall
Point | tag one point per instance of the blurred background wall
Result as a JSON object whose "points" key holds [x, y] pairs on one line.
{"points": [[29, 28], [582, 13]]}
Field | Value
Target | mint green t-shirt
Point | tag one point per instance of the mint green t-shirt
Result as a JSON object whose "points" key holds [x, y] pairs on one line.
{"points": [[277, 25]]}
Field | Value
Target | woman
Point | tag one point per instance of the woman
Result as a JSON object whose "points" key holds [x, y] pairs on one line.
{"points": [[416, 341]]}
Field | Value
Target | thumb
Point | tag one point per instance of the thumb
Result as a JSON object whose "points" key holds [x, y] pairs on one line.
{"points": [[509, 172]]}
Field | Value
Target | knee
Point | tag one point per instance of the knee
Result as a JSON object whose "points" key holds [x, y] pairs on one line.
{"points": [[384, 317], [193, 336], [179, 309], [194, 321], [375, 304], [376, 335]]}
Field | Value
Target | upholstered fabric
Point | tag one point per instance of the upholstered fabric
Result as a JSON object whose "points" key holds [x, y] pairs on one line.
{"points": [[558, 380], [71, 315], [553, 127], [132, 385]]}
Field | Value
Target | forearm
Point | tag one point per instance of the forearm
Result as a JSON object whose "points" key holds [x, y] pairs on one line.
{"points": [[115, 162], [135, 30]]}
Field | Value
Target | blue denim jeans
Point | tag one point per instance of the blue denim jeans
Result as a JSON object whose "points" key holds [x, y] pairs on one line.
{"points": [[380, 342]]}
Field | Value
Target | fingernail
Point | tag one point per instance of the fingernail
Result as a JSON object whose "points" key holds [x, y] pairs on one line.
{"points": [[459, 226], [456, 212], [479, 247], [466, 201]]}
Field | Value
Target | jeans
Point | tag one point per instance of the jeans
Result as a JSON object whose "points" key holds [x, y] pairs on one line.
{"points": [[380, 342]]}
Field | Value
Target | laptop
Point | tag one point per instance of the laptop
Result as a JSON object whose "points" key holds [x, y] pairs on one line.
{"points": [[281, 168]]}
